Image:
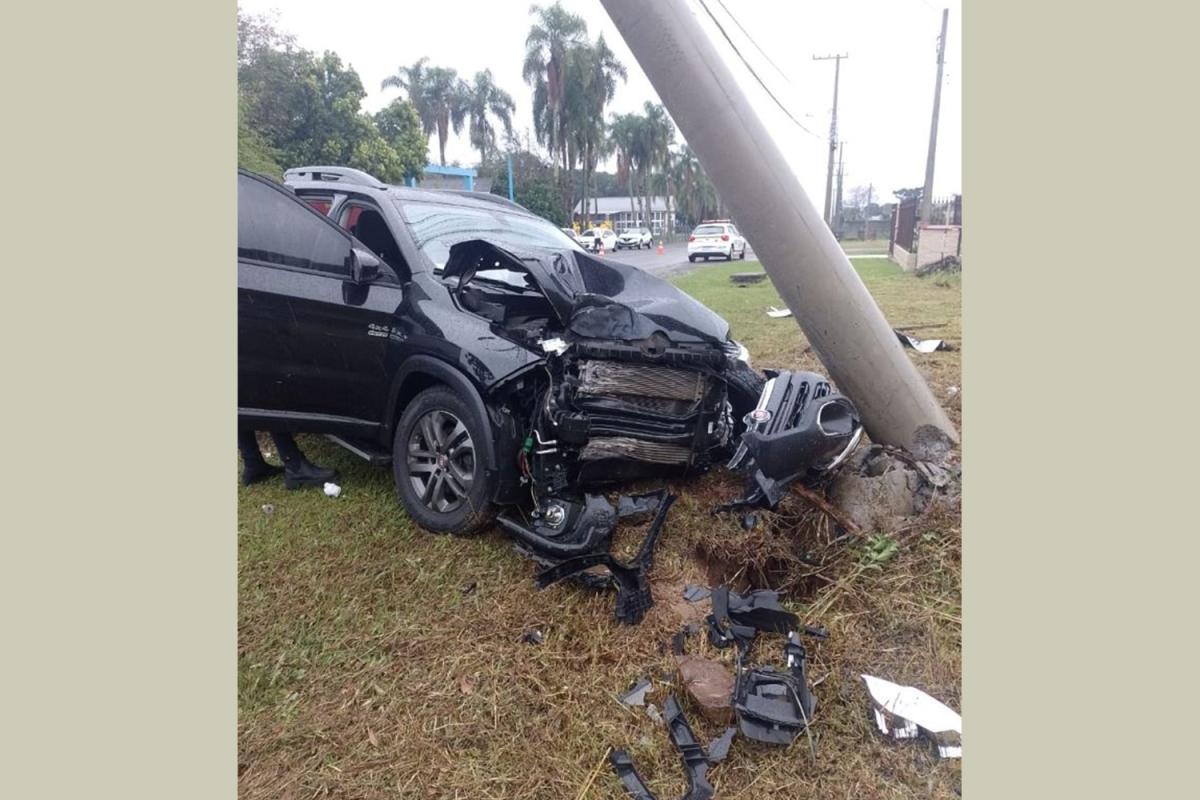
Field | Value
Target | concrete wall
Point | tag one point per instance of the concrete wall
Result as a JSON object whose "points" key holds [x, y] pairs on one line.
{"points": [[935, 242], [905, 259]]}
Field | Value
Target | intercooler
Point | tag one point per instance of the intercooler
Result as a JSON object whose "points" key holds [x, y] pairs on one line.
{"points": [[602, 447], [640, 412]]}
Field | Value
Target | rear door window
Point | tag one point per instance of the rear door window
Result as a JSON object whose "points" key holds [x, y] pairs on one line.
{"points": [[277, 228]]}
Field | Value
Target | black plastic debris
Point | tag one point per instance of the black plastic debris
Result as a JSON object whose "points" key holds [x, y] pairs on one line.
{"points": [[775, 706], [800, 429], [469, 588], [633, 587], [679, 640], [636, 696], [532, 637], [694, 594], [693, 754], [636, 507], [635, 787], [749, 521], [736, 619], [719, 748]]}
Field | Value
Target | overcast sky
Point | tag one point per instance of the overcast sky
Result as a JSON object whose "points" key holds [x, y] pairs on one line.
{"points": [[885, 98]]}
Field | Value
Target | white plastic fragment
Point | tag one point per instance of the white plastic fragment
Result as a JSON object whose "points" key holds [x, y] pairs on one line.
{"points": [[777, 313], [903, 712], [268, 509], [332, 490], [556, 346]]}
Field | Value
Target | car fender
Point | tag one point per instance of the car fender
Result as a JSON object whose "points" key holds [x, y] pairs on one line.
{"points": [[428, 370]]}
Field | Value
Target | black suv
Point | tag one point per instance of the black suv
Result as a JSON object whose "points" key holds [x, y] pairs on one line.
{"points": [[490, 360]]}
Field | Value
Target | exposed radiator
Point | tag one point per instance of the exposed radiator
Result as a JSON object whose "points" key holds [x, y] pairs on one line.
{"points": [[623, 447], [612, 377]]}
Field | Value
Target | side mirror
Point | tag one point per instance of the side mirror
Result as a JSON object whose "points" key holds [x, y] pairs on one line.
{"points": [[364, 266]]}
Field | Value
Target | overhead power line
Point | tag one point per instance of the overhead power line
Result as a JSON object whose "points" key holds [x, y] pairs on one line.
{"points": [[770, 94], [751, 38]]}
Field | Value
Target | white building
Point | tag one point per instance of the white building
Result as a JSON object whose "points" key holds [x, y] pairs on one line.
{"points": [[615, 212]]}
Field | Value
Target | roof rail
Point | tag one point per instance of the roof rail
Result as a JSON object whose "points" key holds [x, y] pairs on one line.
{"points": [[338, 174]]}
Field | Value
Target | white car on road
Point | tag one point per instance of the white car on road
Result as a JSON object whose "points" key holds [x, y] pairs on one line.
{"points": [[635, 238], [716, 238], [593, 238], [575, 237]]}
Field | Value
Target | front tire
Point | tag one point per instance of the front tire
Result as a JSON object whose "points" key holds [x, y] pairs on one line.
{"points": [[745, 387], [437, 464]]}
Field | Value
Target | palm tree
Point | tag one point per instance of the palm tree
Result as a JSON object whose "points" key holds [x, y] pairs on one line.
{"points": [[445, 95], [413, 79], [553, 33], [656, 133], [624, 135], [592, 74], [484, 97]]}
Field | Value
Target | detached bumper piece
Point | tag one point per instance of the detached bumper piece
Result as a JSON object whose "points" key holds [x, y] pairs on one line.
{"points": [[737, 619], [696, 758], [774, 706], [800, 428], [633, 587]]}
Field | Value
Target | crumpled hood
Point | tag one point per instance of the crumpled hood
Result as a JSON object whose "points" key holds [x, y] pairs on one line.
{"points": [[605, 299]]}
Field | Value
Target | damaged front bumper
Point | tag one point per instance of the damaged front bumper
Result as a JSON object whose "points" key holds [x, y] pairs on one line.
{"points": [[800, 428]]}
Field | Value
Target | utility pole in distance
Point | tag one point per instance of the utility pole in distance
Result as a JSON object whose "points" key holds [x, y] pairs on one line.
{"points": [[927, 194], [833, 140], [756, 183], [837, 202]]}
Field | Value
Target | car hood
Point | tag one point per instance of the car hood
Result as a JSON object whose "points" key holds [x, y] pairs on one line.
{"points": [[604, 299]]}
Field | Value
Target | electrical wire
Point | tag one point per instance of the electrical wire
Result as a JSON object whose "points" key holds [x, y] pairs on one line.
{"points": [[770, 94], [751, 38]]}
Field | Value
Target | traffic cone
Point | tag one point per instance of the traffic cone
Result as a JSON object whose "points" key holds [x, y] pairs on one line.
{"points": [[660, 247]]}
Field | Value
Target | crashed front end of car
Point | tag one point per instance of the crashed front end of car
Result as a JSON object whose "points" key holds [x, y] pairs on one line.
{"points": [[636, 379]]}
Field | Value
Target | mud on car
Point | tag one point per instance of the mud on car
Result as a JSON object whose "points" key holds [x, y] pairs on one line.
{"points": [[496, 365]]}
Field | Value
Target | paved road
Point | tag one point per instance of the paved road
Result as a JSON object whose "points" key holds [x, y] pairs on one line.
{"points": [[673, 259]]}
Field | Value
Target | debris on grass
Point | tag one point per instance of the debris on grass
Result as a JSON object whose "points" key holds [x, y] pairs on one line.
{"points": [[922, 345], [903, 712], [778, 313], [694, 594], [636, 696], [533, 637], [333, 490], [268, 508]]}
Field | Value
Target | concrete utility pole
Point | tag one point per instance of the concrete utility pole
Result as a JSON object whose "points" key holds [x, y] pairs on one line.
{"points": [[833, 140], [927, 194], [804, 261], [837, 203]]}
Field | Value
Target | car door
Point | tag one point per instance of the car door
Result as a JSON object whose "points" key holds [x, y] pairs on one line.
{"points": [[312, 343]]}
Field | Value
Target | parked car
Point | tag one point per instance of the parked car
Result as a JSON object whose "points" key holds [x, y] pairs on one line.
{"points": [[575, 237], [595, 237], [716, 238], [631, 238], [473, 347]]}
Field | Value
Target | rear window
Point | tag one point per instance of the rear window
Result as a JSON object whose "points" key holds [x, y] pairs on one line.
{"points": [[709, 230], [436, 227]]}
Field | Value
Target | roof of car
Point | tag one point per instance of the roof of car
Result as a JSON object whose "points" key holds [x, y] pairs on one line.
{"points": [[361, 182]]}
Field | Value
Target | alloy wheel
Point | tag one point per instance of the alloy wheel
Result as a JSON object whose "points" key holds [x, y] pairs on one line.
{"points": [[441, 461]]}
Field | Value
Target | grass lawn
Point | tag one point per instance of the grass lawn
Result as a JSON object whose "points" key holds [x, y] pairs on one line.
{"points": [[375, 660]]}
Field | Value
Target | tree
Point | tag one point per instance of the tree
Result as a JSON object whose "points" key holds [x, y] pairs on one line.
{"points": [[445, 97], [655, 133], [554, 31], [400, 127], [624, 135], [592, 75], [484, 97], [412, 79], [296, 108]]}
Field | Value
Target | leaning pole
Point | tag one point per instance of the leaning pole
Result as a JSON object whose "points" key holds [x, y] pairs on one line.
{"points": [[800, 254]]}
